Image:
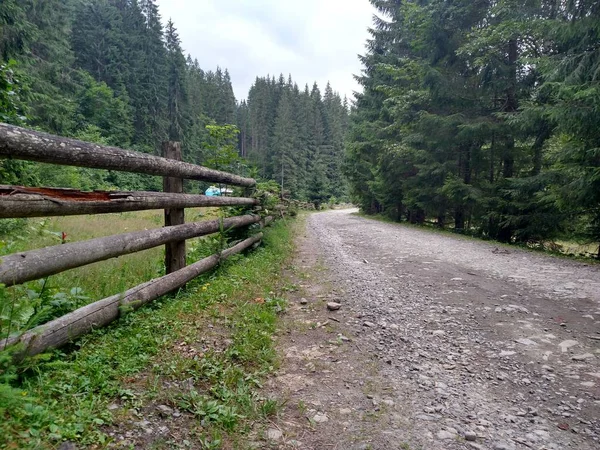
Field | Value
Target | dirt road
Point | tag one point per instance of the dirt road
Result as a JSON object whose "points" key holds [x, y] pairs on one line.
{"points": [[440, 343]]}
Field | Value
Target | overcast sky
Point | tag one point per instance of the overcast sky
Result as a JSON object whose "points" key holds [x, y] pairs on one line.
{"points": [[314, 40]]}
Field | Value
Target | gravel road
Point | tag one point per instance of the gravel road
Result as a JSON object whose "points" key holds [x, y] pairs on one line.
{"points": [[480, 346]]}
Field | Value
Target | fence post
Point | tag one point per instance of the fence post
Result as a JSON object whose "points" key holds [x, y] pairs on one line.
{"points": [[175, 251]]}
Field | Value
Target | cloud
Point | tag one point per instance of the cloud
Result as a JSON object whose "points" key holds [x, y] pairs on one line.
{"points": [[313, 40]]}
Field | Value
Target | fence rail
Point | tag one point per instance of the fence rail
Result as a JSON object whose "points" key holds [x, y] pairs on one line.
{"points": [[21, 201], [20, 143], [69, 327]]}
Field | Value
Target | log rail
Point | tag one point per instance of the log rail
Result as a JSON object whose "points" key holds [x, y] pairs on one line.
{"points": [[23, 201]]}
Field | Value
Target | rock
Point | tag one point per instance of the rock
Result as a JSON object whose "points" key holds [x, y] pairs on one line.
{"points": [[303, 301], [526, 341], [444, 434], [542, 433], [345, 411], [369, 324], [388, 402], [333, 306], [67, 446], [470, 436], [438, 332], [566, 345], [320, 418], [273, 434], [502, 445], [164, 410], [112, 406], [582, 357]]}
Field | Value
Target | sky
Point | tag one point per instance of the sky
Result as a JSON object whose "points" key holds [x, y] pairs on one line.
{"points": [[313, 40]]}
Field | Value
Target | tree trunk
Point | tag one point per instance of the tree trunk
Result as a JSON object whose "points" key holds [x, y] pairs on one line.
{"points": [[538, 146], [459, 218]]}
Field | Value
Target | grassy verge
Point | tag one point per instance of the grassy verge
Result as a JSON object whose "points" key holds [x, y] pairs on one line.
{"points": [[564, 249], [201, 353]]}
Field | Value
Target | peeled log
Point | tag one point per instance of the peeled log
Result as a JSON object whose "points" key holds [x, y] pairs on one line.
{"points": [[21, 143], [69, 327], [19, 201], [32, 265]]}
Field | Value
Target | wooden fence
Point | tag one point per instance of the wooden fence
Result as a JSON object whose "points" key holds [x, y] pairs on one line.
{"points": [[19, 201]]}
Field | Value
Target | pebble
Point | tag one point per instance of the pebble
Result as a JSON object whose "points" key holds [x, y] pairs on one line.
{"points": [[67, 446], [582, 357], [273, 434], [303, 301], [470, 436], [566, 345], [333, 306], [320, 418], [369, 324], [445, 434], [502, 445], [164, 410]]}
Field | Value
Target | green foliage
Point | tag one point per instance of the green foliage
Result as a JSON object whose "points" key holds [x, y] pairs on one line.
{"points": [[221, 149], [64, 396], [482, 113], [10, 90], [289, 133]]}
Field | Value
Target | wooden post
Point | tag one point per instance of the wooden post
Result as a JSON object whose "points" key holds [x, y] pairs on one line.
{"points": [[174, 251]]}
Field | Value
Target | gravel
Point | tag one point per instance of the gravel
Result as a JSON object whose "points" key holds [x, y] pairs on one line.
{"points": [[478, 344]]}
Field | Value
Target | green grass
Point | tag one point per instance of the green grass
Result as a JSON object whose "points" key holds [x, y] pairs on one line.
{"points": [[104, 278], [136, 362], [23, 307]]}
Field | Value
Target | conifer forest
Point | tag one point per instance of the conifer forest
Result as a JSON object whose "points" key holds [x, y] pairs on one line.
{"points": [[482, 116], [478, 116]]}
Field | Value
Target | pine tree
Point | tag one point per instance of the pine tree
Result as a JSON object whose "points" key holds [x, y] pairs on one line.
{"points": [[176, 81]]}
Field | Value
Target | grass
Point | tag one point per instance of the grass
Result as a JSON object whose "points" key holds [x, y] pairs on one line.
{"points": [[103, 278], [203, 351], [23, 307]]}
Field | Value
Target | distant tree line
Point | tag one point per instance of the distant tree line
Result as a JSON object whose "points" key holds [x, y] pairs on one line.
{"points": [[108, 71], [296, 137], [482, 116]]}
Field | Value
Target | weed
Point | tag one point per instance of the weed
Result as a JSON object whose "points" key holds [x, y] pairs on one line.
{"points": [[301, 407]]}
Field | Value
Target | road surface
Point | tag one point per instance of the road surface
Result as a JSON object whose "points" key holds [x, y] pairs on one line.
{"points": [[441, 342]]}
